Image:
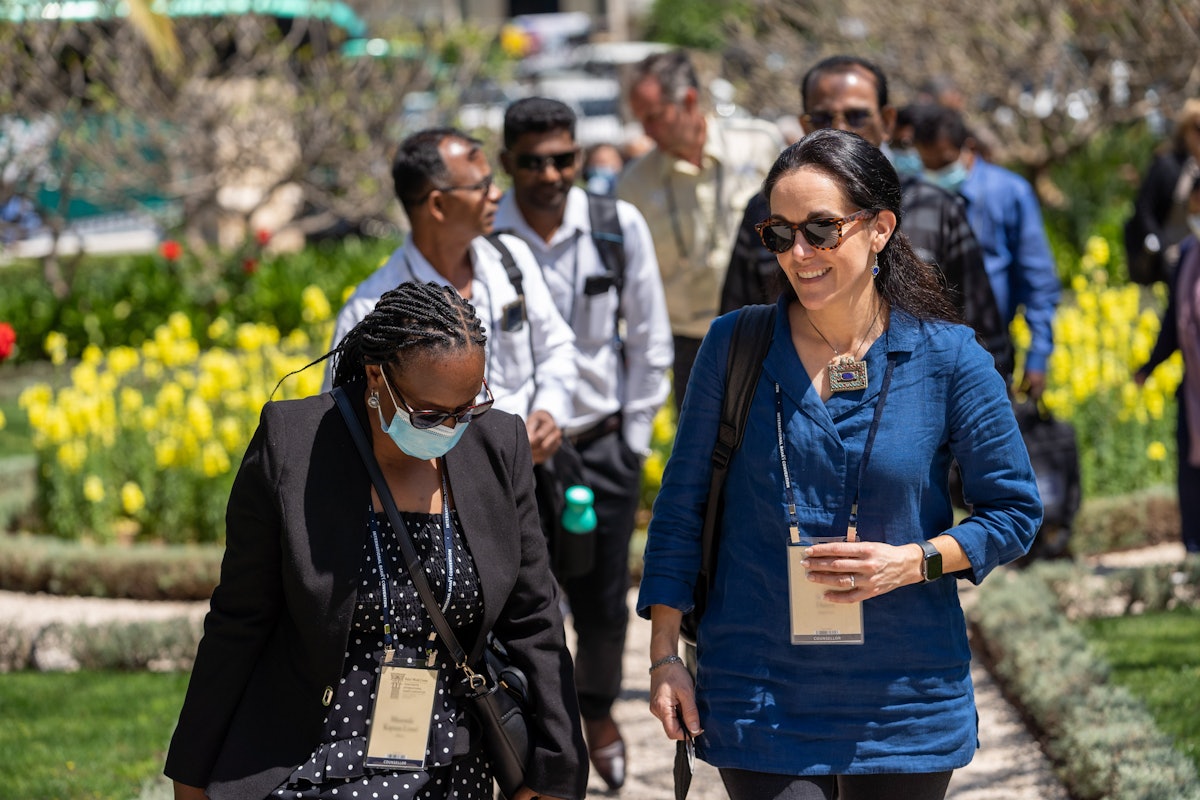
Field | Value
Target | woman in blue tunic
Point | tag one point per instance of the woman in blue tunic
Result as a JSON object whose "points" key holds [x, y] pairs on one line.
{"points": [[870, 388]]}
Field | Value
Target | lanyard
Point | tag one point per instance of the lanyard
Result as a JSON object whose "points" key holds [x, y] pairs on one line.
{"points": [[793, 520], [718, 216], [448, 544]]}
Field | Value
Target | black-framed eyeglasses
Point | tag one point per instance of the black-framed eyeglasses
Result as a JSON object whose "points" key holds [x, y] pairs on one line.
{"points": [[853, 117], [779, 235], [484, 185], [423, 420], [536, 163]]}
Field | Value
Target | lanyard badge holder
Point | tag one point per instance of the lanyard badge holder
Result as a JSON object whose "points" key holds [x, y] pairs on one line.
{"points": [[402, 715], [815, 620]]}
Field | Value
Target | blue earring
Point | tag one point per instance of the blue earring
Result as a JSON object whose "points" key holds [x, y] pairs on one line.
{"points": [[875, 266]]}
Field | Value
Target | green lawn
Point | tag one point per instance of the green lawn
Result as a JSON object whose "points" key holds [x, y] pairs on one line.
{"points": [[85, 735], [1157, 657]]}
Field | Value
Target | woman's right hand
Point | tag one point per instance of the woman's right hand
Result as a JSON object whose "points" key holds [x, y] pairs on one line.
{"points": [[673, 700], [672, 691]]}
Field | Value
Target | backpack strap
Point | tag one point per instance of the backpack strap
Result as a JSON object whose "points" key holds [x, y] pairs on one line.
{"points": [[748, 347], [610, 244], [517, 280]]}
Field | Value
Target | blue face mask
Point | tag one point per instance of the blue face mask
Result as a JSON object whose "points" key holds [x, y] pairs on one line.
{"points": [[907, 162], [600, 180], [949, 177], [422, 443]]}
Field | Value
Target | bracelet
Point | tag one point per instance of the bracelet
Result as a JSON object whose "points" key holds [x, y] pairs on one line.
{"points": [[671, 659]]}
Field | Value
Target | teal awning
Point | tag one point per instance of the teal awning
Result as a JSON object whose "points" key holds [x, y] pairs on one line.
{"points": [[334, 11]]}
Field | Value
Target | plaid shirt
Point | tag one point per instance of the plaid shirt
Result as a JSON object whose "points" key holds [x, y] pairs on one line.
{"points": [[936, 225]]}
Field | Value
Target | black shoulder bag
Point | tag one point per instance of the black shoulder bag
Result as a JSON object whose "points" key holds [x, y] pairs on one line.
{"points": [[498, 694], [747, 348]]}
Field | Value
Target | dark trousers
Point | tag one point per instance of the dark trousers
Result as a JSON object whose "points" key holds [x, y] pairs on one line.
{"points": [[1188, 481], [746, 785], [685, 355], [598, 605]]}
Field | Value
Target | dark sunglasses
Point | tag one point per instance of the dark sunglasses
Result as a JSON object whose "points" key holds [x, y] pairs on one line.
{"points": [[484, 185], [536, 163], [854, 118], [779, 235], [423, 420]]}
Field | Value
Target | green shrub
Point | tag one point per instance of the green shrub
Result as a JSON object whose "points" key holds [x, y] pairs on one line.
{"points": [[1106, 524], [120, 300], [140, 572]]}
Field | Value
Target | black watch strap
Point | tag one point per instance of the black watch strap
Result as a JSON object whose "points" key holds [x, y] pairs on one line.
{"points": [[931, 567]]}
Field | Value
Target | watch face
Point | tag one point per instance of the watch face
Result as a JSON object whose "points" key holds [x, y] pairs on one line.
{"points": [[932, 567]]}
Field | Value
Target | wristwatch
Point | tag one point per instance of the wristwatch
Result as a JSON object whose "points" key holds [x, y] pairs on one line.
{"points": [[931, 567]]}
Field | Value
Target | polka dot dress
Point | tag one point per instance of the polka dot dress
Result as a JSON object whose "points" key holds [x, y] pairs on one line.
{"points": [[455, 770]]}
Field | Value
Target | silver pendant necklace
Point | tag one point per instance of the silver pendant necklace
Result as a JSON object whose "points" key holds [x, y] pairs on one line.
{"points": [[845, 372]]}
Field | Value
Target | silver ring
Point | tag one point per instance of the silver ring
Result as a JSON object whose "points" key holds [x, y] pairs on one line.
{"points": [[852, 582]]}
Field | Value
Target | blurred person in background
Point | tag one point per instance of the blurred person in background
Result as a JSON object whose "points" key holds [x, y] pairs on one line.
{"points": [[691, 188], [601, 167], [1007, 220], [623, 337], [1180, 330], [851, 94], [1160, 211]]}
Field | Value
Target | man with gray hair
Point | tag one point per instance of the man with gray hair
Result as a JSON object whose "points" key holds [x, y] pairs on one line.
{"points": [[691, 188]]}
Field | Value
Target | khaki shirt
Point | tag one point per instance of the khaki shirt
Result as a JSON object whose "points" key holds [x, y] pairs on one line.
{"points": [[694, 212]]}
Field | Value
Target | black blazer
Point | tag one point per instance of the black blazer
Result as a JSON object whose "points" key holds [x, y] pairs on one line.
{"points": [[275, 637]]}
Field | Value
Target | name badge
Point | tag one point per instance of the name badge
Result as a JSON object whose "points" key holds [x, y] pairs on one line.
{"points": [[402, 717], [816, 620]]}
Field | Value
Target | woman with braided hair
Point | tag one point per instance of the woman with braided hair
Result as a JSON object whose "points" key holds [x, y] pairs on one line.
{"points": [[314, 588]]}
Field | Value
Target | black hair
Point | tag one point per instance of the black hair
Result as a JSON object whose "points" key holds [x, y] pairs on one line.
{"points": [[932, 122], [536, 115], [673, 72], [868, 180], [413, 318], [837, 65], [418, 168]]}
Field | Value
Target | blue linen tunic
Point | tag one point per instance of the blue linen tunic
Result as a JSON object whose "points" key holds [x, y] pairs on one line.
{"points": [[903, 701]]}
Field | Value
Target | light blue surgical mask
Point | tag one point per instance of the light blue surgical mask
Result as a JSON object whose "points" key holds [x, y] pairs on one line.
{"points": [[949, 177], [600, 180], [422, 443], [907, 162]]}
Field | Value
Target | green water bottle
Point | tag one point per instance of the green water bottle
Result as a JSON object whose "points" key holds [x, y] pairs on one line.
{"points": [[575, 553]]}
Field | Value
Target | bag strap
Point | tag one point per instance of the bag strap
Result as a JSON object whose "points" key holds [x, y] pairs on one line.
{"points": [[517, 280], [609, 239], [412, 560], [748, 347]]}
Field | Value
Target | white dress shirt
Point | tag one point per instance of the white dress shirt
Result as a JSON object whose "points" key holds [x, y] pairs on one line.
{"points": [[543, 338], [636, 386]]}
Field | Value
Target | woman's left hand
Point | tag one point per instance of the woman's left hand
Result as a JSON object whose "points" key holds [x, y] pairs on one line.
{"points": [[855, 571], [525, 793]]}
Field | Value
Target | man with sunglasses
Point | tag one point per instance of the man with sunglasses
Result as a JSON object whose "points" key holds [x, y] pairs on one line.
{"points": [[691, 187], [851, 94], [623, 336], [445, 184]]}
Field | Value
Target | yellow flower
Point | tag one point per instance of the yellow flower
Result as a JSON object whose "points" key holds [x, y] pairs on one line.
{"points": [[1097, 249], [93, 489], [218, 328], [56, 347], [314, 305], [213, 460], [3, 420], [1156, 451], [72, 455], [132, 499], [179, 325]]}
